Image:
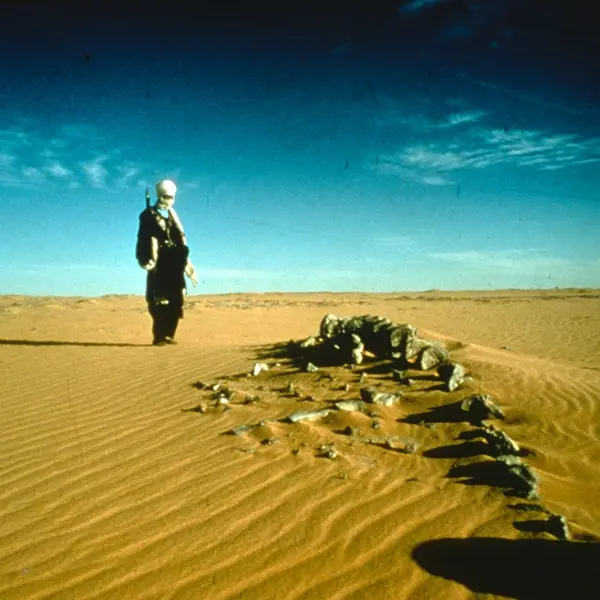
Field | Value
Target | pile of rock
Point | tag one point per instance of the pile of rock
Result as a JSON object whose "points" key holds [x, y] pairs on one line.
{"points": [[480, 407], [348, 340], [353, 336], [515, 475]]}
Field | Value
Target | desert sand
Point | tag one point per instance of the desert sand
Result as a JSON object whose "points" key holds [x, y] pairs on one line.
{"points": [[115, 483]]}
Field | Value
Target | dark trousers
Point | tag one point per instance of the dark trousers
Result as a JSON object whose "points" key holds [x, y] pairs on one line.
{"points": [[165, 319]]}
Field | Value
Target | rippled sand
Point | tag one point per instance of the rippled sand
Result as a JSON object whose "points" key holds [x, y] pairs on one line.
{"points": [[114, 484]]}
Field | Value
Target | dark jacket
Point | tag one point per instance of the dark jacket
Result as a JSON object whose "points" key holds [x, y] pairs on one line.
{"points": [[162, 250]]}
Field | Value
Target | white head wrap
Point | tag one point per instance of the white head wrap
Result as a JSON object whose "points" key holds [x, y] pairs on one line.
{"points": [[166, 188]]}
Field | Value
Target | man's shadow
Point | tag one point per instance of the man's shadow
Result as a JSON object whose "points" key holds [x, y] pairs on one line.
{"points": [[528, 569], [63, 343]]}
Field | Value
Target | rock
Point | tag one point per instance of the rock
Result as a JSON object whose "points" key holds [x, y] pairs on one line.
{"points": [[452, 374], [398, 375], [431, 356], [310, 368], [328, 451], [243, 429], [224, 393], [500, 442], [329, 327], [308, 342], [524, 482], [557, 526], [309, 415], [357, 350], [351, 430], [270, 441], [351, 405], [480, 407], [404, 445], [414, 346], [400, 341], [374, 396], [259, 368]]}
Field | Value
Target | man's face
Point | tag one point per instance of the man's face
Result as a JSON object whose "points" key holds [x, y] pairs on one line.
{"points": [[166, 201]]}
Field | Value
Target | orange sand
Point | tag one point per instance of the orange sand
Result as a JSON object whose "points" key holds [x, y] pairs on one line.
{"points": [[111, 487]]}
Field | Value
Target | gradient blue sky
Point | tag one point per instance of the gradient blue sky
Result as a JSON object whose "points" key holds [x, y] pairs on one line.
{"points": [[377, 146]]}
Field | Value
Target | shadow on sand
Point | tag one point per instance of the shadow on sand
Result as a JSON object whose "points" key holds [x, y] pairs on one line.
{"points": [[447, 413], [523, 569], [60, 343], [485, 472], [464, 450]]}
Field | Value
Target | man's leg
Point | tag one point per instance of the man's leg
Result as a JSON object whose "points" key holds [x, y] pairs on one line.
{"points": [[171, 324], [160, 324]]}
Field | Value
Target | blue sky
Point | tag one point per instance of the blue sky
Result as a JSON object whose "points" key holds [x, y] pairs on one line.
{"points": [[397, 146]]}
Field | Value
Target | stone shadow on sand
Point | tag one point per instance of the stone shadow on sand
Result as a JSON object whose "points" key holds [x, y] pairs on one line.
{"points": [[299, 357], [464, 450], [523, 569], [532, 526], [62, 343], [486, 472], [282, 351], [447, 413]]}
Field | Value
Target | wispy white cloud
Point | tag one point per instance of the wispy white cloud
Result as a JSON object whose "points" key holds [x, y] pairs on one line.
{"points": [[56, 169], [33, 175], [480, 148], [95, 171], [515, 261], [29, 159], [7, 160], [395, 113], [463, 117], [391, 165], [530, 98], [12, 138], [126, 174]]}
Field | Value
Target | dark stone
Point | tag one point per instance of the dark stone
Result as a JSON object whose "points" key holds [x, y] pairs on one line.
{"points": [[480, 407], [432, 356], [452, 374], [374, 396], [557, 526], [398, 375], [525, 482], [500, 442]]}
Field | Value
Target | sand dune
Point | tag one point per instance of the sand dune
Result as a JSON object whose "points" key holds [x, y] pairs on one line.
{"points": [[121, 479]]}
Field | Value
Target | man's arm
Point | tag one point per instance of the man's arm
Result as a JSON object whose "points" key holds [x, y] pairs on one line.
{"points": [[146, 250], [190, 271]]}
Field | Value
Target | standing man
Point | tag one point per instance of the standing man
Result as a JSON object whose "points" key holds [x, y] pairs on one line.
{"points": [[162, 251]]}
